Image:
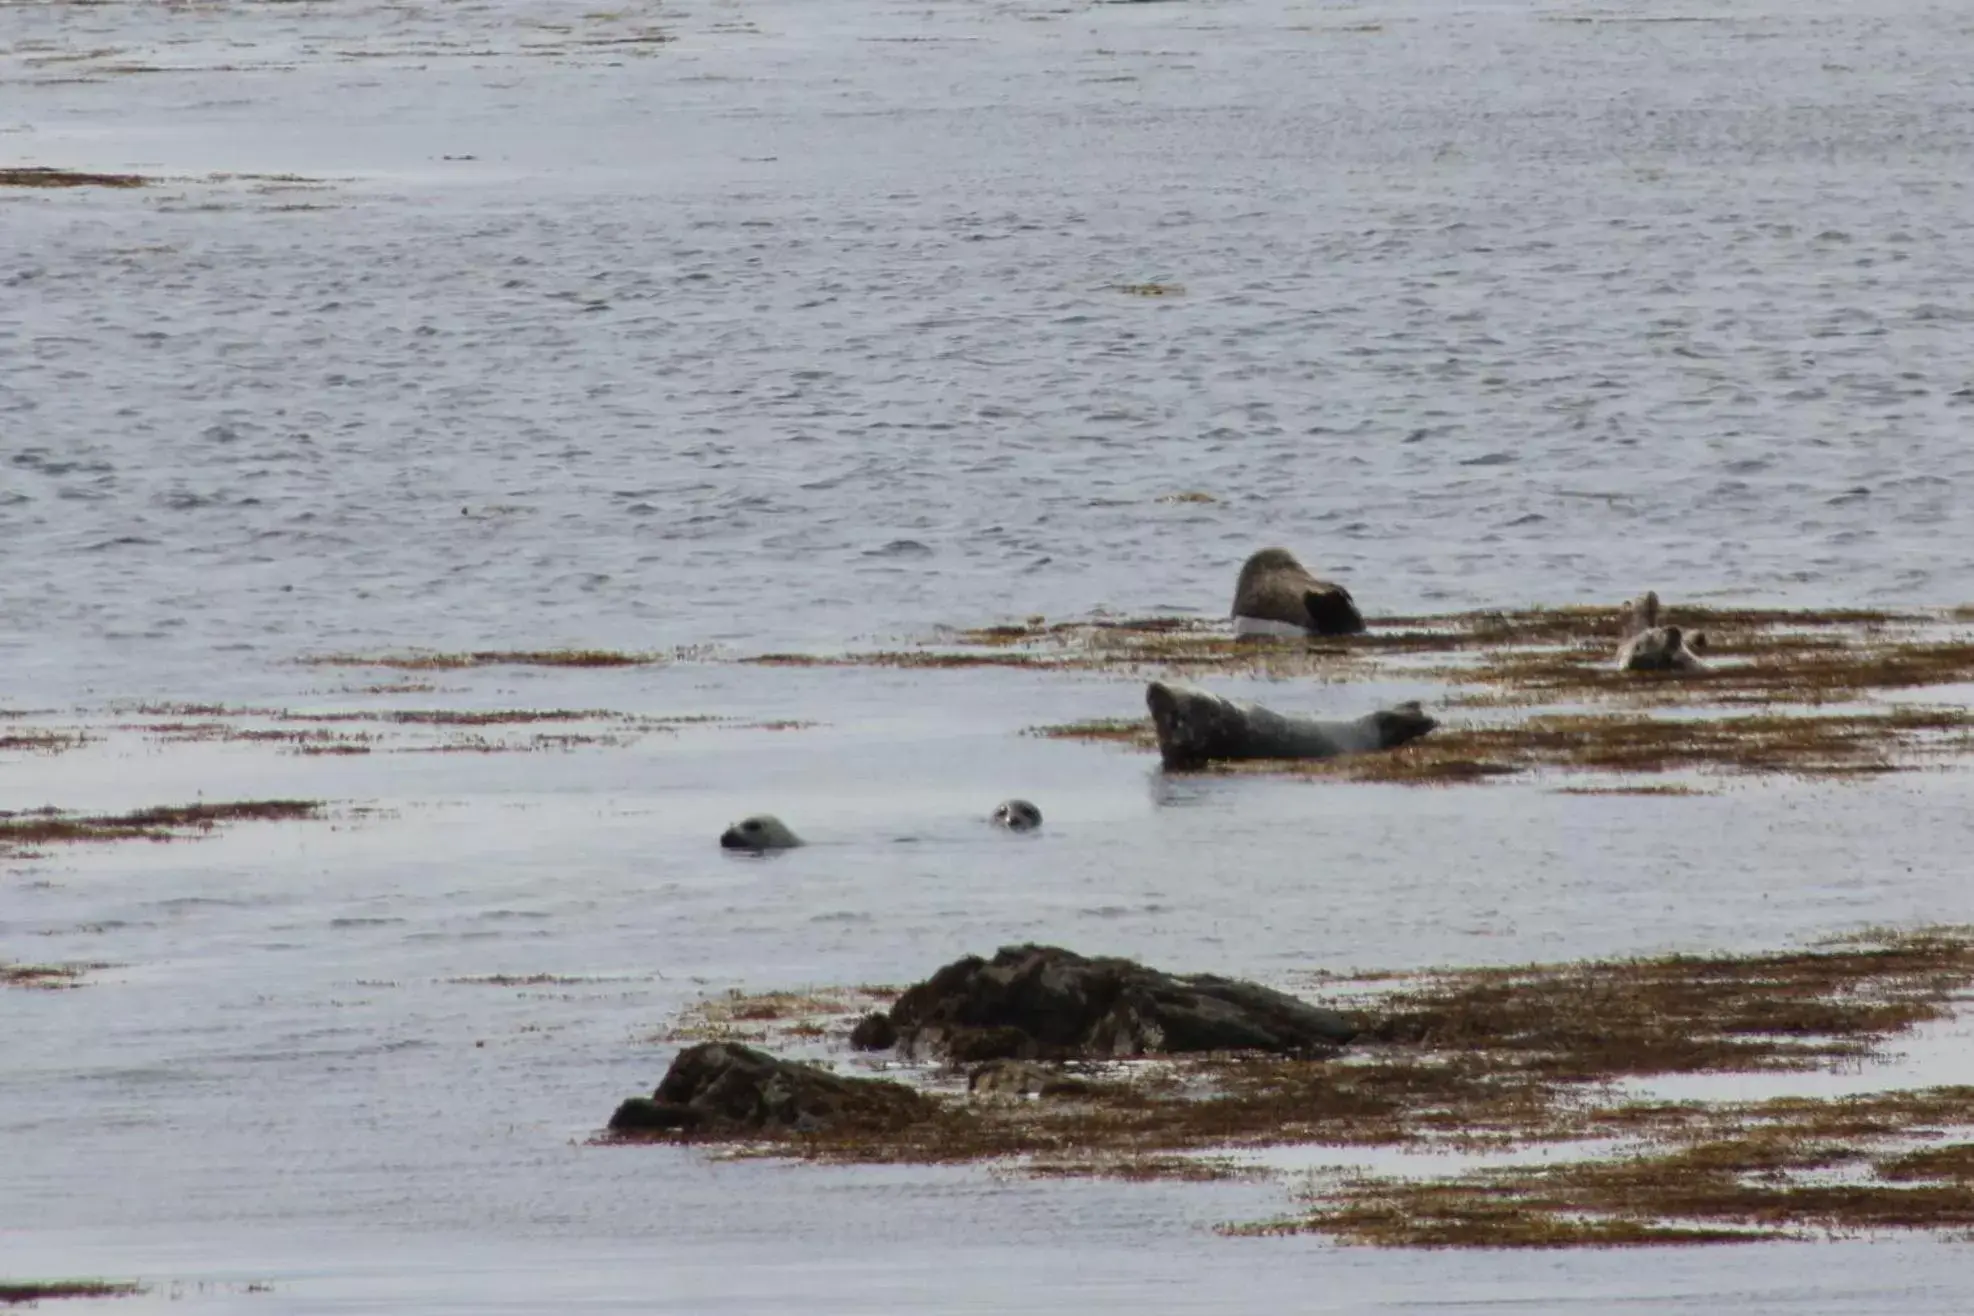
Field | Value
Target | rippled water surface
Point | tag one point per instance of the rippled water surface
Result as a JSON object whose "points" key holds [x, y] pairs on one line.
{"points": [[752, 326]]}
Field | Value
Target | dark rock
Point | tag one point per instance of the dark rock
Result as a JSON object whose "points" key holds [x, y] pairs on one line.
{"points": [[1042, 1001], [643, 1115], [874, 1032], [721, 1088], [969, 1046]]}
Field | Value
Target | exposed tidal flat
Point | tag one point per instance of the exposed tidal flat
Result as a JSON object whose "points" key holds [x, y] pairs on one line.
{"points": [[706, 333]]}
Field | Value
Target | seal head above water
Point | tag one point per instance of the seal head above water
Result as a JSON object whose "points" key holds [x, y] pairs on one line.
{"points": [[1276, 595], [1017, 816], [1195, 727], [759, 834], [1649, 647]]}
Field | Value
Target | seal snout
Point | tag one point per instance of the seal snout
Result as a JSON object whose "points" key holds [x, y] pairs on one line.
{"points": [[1193, 726], [1404, 723]]}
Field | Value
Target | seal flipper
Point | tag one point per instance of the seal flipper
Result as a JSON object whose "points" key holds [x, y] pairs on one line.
{"points": [[1332, 611]]}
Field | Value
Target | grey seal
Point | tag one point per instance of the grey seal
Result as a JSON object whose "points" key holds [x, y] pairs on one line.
{"points": [[1276, 595], [1649, 647], [1195, 727], [1017, 816], [758, 834]]}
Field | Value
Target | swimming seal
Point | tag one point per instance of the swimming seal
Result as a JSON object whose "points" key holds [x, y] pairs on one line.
{"points": [[1276, 595], [1195, 727], [1017, 816], [1650, 647], [759, 834]]}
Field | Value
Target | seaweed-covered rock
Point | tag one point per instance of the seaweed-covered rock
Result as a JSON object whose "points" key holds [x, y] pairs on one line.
{"points": [[723, 1089], [1040, 1001]]}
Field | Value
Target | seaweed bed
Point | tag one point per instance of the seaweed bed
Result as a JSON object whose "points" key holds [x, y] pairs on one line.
{"points": [[20, 832], [18, 1291], [771, 1016], [42, 176], [38, 741], [383, 730], [1836, 646], [423, 662], [45, 977], [1504, 1059]]}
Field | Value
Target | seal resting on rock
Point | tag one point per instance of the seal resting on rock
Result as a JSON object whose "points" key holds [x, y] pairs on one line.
{"points": [[1276, 595], [1195, 727], [1018, 816], [1650, 647], [758, 834]]}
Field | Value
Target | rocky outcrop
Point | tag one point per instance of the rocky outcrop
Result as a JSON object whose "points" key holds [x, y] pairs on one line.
{"points": [[723, 1089], [1032, 1002]]}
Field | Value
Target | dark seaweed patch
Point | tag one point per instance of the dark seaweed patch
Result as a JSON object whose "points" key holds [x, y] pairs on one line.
{"points": [[41, 176], [20, 831]]}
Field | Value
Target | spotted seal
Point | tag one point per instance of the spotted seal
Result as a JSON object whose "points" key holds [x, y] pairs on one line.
{"points": [[1276, 595], [1017, 816], [758, 834], [1649, 647], [1195, 727]]}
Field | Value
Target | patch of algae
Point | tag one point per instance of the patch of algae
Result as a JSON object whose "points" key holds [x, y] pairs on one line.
{"points": [[21, 832], [40, 1290]]}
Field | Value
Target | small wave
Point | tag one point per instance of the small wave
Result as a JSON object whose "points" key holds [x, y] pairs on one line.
{"points": [[183, 500], [901, 548]]}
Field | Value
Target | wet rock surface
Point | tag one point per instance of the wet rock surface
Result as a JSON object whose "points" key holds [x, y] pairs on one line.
{"points": [[1033, 1002], [722, 1088]]}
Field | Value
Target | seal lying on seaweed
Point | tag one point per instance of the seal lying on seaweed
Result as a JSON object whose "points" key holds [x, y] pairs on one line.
{"points": [[1650, 647], [1276, 595], [1195, 727]]}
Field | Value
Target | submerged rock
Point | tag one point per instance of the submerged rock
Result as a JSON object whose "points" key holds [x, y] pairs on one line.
{"points": [[722, 1088], [1024, 1078], [1034, 1001]]}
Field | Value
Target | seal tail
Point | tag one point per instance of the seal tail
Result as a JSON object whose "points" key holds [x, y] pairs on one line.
{"points": [[1332, 611]]}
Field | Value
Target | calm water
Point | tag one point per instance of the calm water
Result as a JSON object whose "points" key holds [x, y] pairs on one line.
{"points": [[803, 329]]}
